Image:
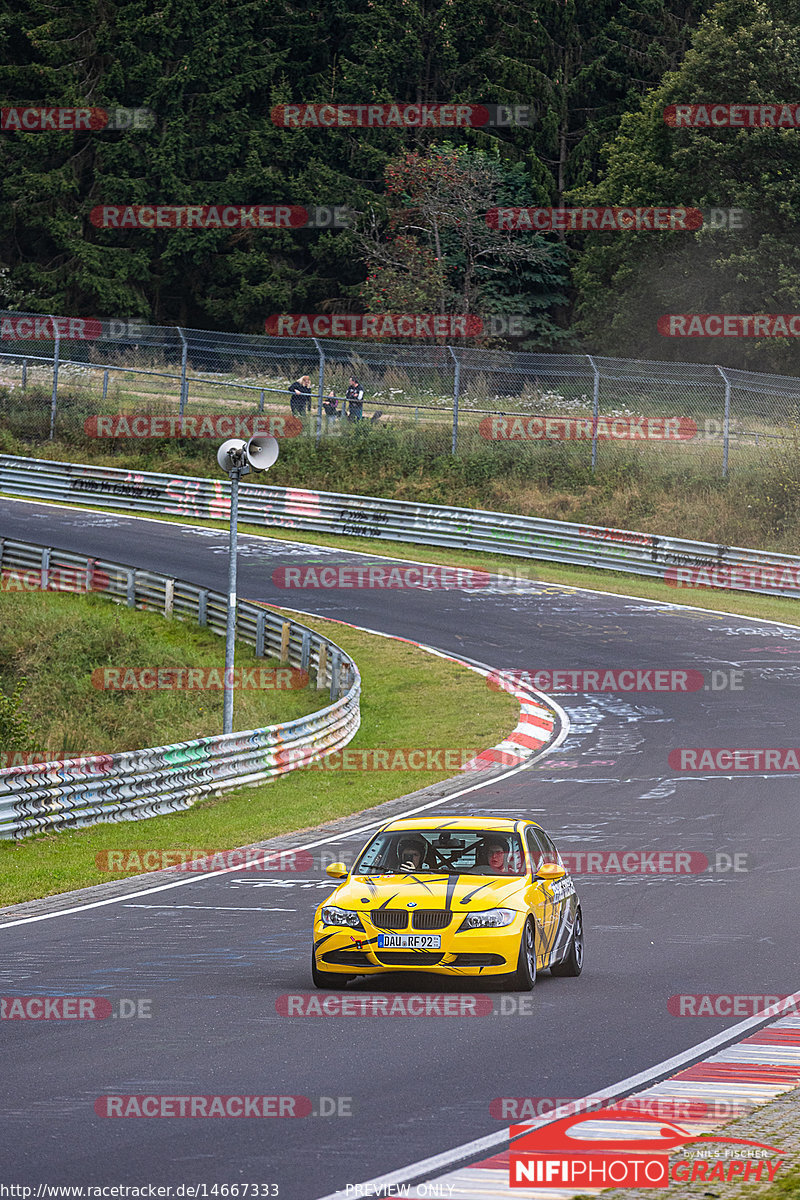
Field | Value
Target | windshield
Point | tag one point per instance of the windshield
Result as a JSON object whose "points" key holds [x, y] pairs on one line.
{"points": [[442, 852]]}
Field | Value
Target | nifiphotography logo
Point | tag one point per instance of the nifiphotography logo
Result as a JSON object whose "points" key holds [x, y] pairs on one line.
{"points": [[582, 1151]]}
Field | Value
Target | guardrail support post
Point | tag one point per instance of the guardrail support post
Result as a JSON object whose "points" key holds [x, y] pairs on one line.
{"points": [[305, 651], [285, 634], [595, 410], [322, 664], [169, 597], [456, 390], [336, 666], [44, 570], [726, 424], [54, 401], [184, 384], [321, 354], [202, 607], [130, 591], [261, 621]]}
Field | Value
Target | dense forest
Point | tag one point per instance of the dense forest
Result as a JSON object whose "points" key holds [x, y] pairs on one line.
{"points": [[590, 82]]}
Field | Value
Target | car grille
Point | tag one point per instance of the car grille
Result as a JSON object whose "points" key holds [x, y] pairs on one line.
{"points": [[409, 958], [431, 918], [389, 918]]}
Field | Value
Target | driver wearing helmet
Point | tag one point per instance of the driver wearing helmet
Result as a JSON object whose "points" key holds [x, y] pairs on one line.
{"points": [[411, 853]]}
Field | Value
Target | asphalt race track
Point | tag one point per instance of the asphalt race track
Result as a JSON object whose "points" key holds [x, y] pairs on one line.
{"points": [[213, 956]]}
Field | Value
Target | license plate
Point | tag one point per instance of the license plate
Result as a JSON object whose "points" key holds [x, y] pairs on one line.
{"points": [[409, 941]]}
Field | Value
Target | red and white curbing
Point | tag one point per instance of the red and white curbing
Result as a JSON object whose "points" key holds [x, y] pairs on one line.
{"points": [[742, 1076], [534, 730], [541, 720]]}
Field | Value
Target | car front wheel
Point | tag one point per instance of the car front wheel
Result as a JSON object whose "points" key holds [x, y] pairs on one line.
{"points": [[523, 979], [572, 963]]}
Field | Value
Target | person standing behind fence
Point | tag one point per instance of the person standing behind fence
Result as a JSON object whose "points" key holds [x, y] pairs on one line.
{"points": [[355, 398], [300, 392]]}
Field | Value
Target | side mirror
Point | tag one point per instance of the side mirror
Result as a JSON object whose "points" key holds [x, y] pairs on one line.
{"points": [[337, 871], [550, 872]]}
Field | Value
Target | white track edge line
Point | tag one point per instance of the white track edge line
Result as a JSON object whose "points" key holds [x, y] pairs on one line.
{"points": [[427, 1166]]}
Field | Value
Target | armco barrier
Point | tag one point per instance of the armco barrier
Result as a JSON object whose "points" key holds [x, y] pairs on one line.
{"points": [[675, 560], [143, 783]]}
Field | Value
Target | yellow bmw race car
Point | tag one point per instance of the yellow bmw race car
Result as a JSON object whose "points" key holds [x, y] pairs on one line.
{"points": [[453, 896]]}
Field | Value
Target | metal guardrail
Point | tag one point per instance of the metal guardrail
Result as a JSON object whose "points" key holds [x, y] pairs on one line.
{"points": [[674, 560], [132, 785]]}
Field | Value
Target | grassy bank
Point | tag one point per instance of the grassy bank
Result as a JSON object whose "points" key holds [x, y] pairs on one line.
{"points": [[668, 489], [68, 648], [410, 699]]}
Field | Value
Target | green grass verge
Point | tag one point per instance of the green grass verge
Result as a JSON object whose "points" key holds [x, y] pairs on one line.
{"points": [[59, 643], [410, 699]]}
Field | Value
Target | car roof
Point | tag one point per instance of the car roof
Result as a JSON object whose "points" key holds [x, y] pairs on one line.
{"points": [[444, 821]]}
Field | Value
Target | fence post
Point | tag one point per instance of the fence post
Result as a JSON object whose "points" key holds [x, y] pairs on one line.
{"points": [[321, 354], [54, 401], [261, 402], [456, 390], [595, 410], [726, 423], [105, 384], [24, 373], [184, 385]]}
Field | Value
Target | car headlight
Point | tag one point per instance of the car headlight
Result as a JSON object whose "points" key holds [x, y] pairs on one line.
{"points": [[332, 915], [491, 918]]}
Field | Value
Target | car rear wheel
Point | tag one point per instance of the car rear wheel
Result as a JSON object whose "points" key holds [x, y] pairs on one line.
{"points": [[572, 963], [327, 979], [523, 979]]}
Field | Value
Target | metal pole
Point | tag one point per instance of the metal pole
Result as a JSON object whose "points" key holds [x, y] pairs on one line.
{"points": [[726, 424], [456, 390], [184, 385], [24, 373], [105, 384], [230, 627], [54, 400], [595, 410], [321, 353]]}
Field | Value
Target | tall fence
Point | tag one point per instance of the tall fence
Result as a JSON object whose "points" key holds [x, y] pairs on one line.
{"points": [[136, 784], [57, 372]]}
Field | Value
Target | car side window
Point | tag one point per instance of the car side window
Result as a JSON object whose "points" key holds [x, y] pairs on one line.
{"points": [[535, 850], [551, 855]]}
